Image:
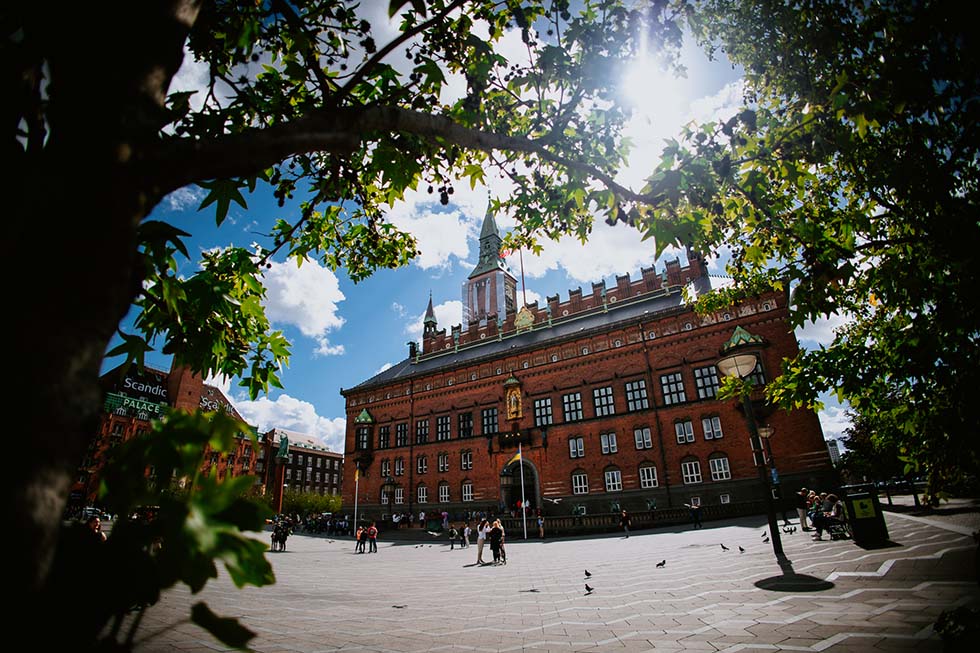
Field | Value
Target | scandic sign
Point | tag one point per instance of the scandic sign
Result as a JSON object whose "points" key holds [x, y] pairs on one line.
{"points": [[137, 404], [133, 384]]}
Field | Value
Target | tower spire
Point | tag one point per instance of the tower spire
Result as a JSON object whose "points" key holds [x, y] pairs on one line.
{"points": [[429, 323]]}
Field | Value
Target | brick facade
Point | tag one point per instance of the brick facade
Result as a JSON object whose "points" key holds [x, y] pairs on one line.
{"points": [[636, 338]]}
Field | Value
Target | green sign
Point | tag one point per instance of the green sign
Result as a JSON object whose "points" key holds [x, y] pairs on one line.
{"points": [[863, 508], [114, 401]]}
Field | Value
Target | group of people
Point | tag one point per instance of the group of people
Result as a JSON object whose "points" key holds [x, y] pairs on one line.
{"points": [[462, 534], [494, 532], [821, 510], [366, 537]]}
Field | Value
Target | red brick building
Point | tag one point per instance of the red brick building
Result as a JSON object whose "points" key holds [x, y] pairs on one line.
{"points": [[309, 466], [611, 396]]}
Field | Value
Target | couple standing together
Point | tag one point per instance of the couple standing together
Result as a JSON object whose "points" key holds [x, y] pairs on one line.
{"points": [[495, 533]]}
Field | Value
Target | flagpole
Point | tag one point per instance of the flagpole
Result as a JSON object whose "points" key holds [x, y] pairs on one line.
{"points": [[357, 480], [523, 502]]}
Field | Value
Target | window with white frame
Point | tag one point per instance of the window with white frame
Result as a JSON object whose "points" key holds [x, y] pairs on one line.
{"points": [[602, 398], [385, 468], [614, 480], [444, 493], [421, 431], [489, 421], [695, 501], [542, 412], [673, 388], [384, 497], [423, 494], [421, 464], [467, 491], [706, 381], [466, 460], [636, 395], [691, 471], [576, 447], [401, 435], [712, 428], [444, 462], [443, 429], [643, 438], [580, 483], [363, 437], [684, 431], [725, 498], [399, 495], [608, 441], [572, 406], [719, 468], [399, 466], [648, 477]]}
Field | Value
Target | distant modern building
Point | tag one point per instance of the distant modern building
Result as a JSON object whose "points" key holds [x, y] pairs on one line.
{"points": [[610, 394], [834, 450]]}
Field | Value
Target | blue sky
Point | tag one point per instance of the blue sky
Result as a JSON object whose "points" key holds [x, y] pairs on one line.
{"points": [[343, 333]]}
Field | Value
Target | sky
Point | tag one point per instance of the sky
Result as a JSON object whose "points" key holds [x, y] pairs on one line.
{"points": [[344, 333]]}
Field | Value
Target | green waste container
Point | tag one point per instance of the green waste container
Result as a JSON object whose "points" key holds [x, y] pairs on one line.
{"points": [[864, 515]]}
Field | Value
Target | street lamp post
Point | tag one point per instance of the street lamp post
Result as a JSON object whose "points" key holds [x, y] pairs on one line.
{"points": [[741, 365]]}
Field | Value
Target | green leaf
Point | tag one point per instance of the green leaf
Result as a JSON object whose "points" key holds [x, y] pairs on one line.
{"points": [[222, 193]]}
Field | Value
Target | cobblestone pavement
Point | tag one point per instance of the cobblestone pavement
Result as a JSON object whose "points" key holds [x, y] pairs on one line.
{"points": [[409, 598]]}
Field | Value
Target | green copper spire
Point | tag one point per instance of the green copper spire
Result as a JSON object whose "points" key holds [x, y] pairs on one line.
{"points": [[741, 337], [490, 241]]}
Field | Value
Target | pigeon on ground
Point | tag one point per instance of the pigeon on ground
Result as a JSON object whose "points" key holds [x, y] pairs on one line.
{"points": [[766, 540], [531, 590], [724, 548], [398, 606], [765, 534], [662, 563], [741, 550], [588, 589], [587, 574]]}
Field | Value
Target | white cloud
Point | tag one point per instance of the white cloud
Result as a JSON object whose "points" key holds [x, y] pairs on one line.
{"points": [[192, 76], [440, 234], [448, 314], [295, 415], [398, 309], [306, 297], [386, 366], [184, 198], [821, 331], [833, 421]]}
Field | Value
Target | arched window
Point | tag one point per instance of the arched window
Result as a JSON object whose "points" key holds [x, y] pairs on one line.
{"points": [[691, 470], [718, 464], [648, 475], [422, 496], [444, 492], [580, 482], [467, 490]]}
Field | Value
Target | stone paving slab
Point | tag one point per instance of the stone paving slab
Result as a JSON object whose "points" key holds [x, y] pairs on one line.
{"points": [[327, 598]]}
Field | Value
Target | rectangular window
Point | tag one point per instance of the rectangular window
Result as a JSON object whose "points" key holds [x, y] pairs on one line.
{"points": [[467, 491], [636, 395], [725, 498], [421, 465], [673, 388], [466, 425], [706, 380], [399, 466], [643, 438], [614, 481], [712, 428], [489, 416], [423, 494], [401, 435], [421, 431], [443, 428], [757, 378], [542, 412], [719, 469], [572, 406], [399, 495], [648, 477], [684, 431], [608, 441], [444, 462], [691, 471], [695, 501], [444, 493], [363, 433], [576, 447], [580, 483], [385, 468], [603, 400], [466, 460], [384, 498]]}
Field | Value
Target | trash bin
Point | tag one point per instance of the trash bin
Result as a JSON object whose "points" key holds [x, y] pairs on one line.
{"points": [[864, 515]]}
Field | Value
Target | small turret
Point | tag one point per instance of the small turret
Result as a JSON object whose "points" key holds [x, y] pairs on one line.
{"points": [[429, 324]]}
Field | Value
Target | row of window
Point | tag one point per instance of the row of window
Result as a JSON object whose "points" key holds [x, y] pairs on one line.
{"points": [[612, 480], [308, 459], [422, 464], [643, 438], [327, 478], [603, 403]]}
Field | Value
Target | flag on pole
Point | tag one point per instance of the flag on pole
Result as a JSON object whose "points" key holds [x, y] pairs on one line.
{"points": [[357, 473], [517, 456]]}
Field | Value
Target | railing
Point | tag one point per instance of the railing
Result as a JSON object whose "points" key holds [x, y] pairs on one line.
{"points": [[609, 522]]}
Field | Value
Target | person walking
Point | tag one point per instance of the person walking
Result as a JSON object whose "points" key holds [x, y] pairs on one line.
{"points": [[496, 535], [695, 512], [625, 522], [481, 539], [503, 543], [372, 535], [453, 534], [801, 506], [359, 538], [540, 525], [466, 535]]}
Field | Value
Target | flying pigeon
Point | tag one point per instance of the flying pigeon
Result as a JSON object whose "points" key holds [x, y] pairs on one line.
{"points": [[588, 589], [741, 550], [587, 574], [724, 548], [662, 563], [433, 534], [558, 500]]}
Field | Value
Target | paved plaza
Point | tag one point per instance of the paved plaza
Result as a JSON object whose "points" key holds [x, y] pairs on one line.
{"points": [[427, 598]]}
